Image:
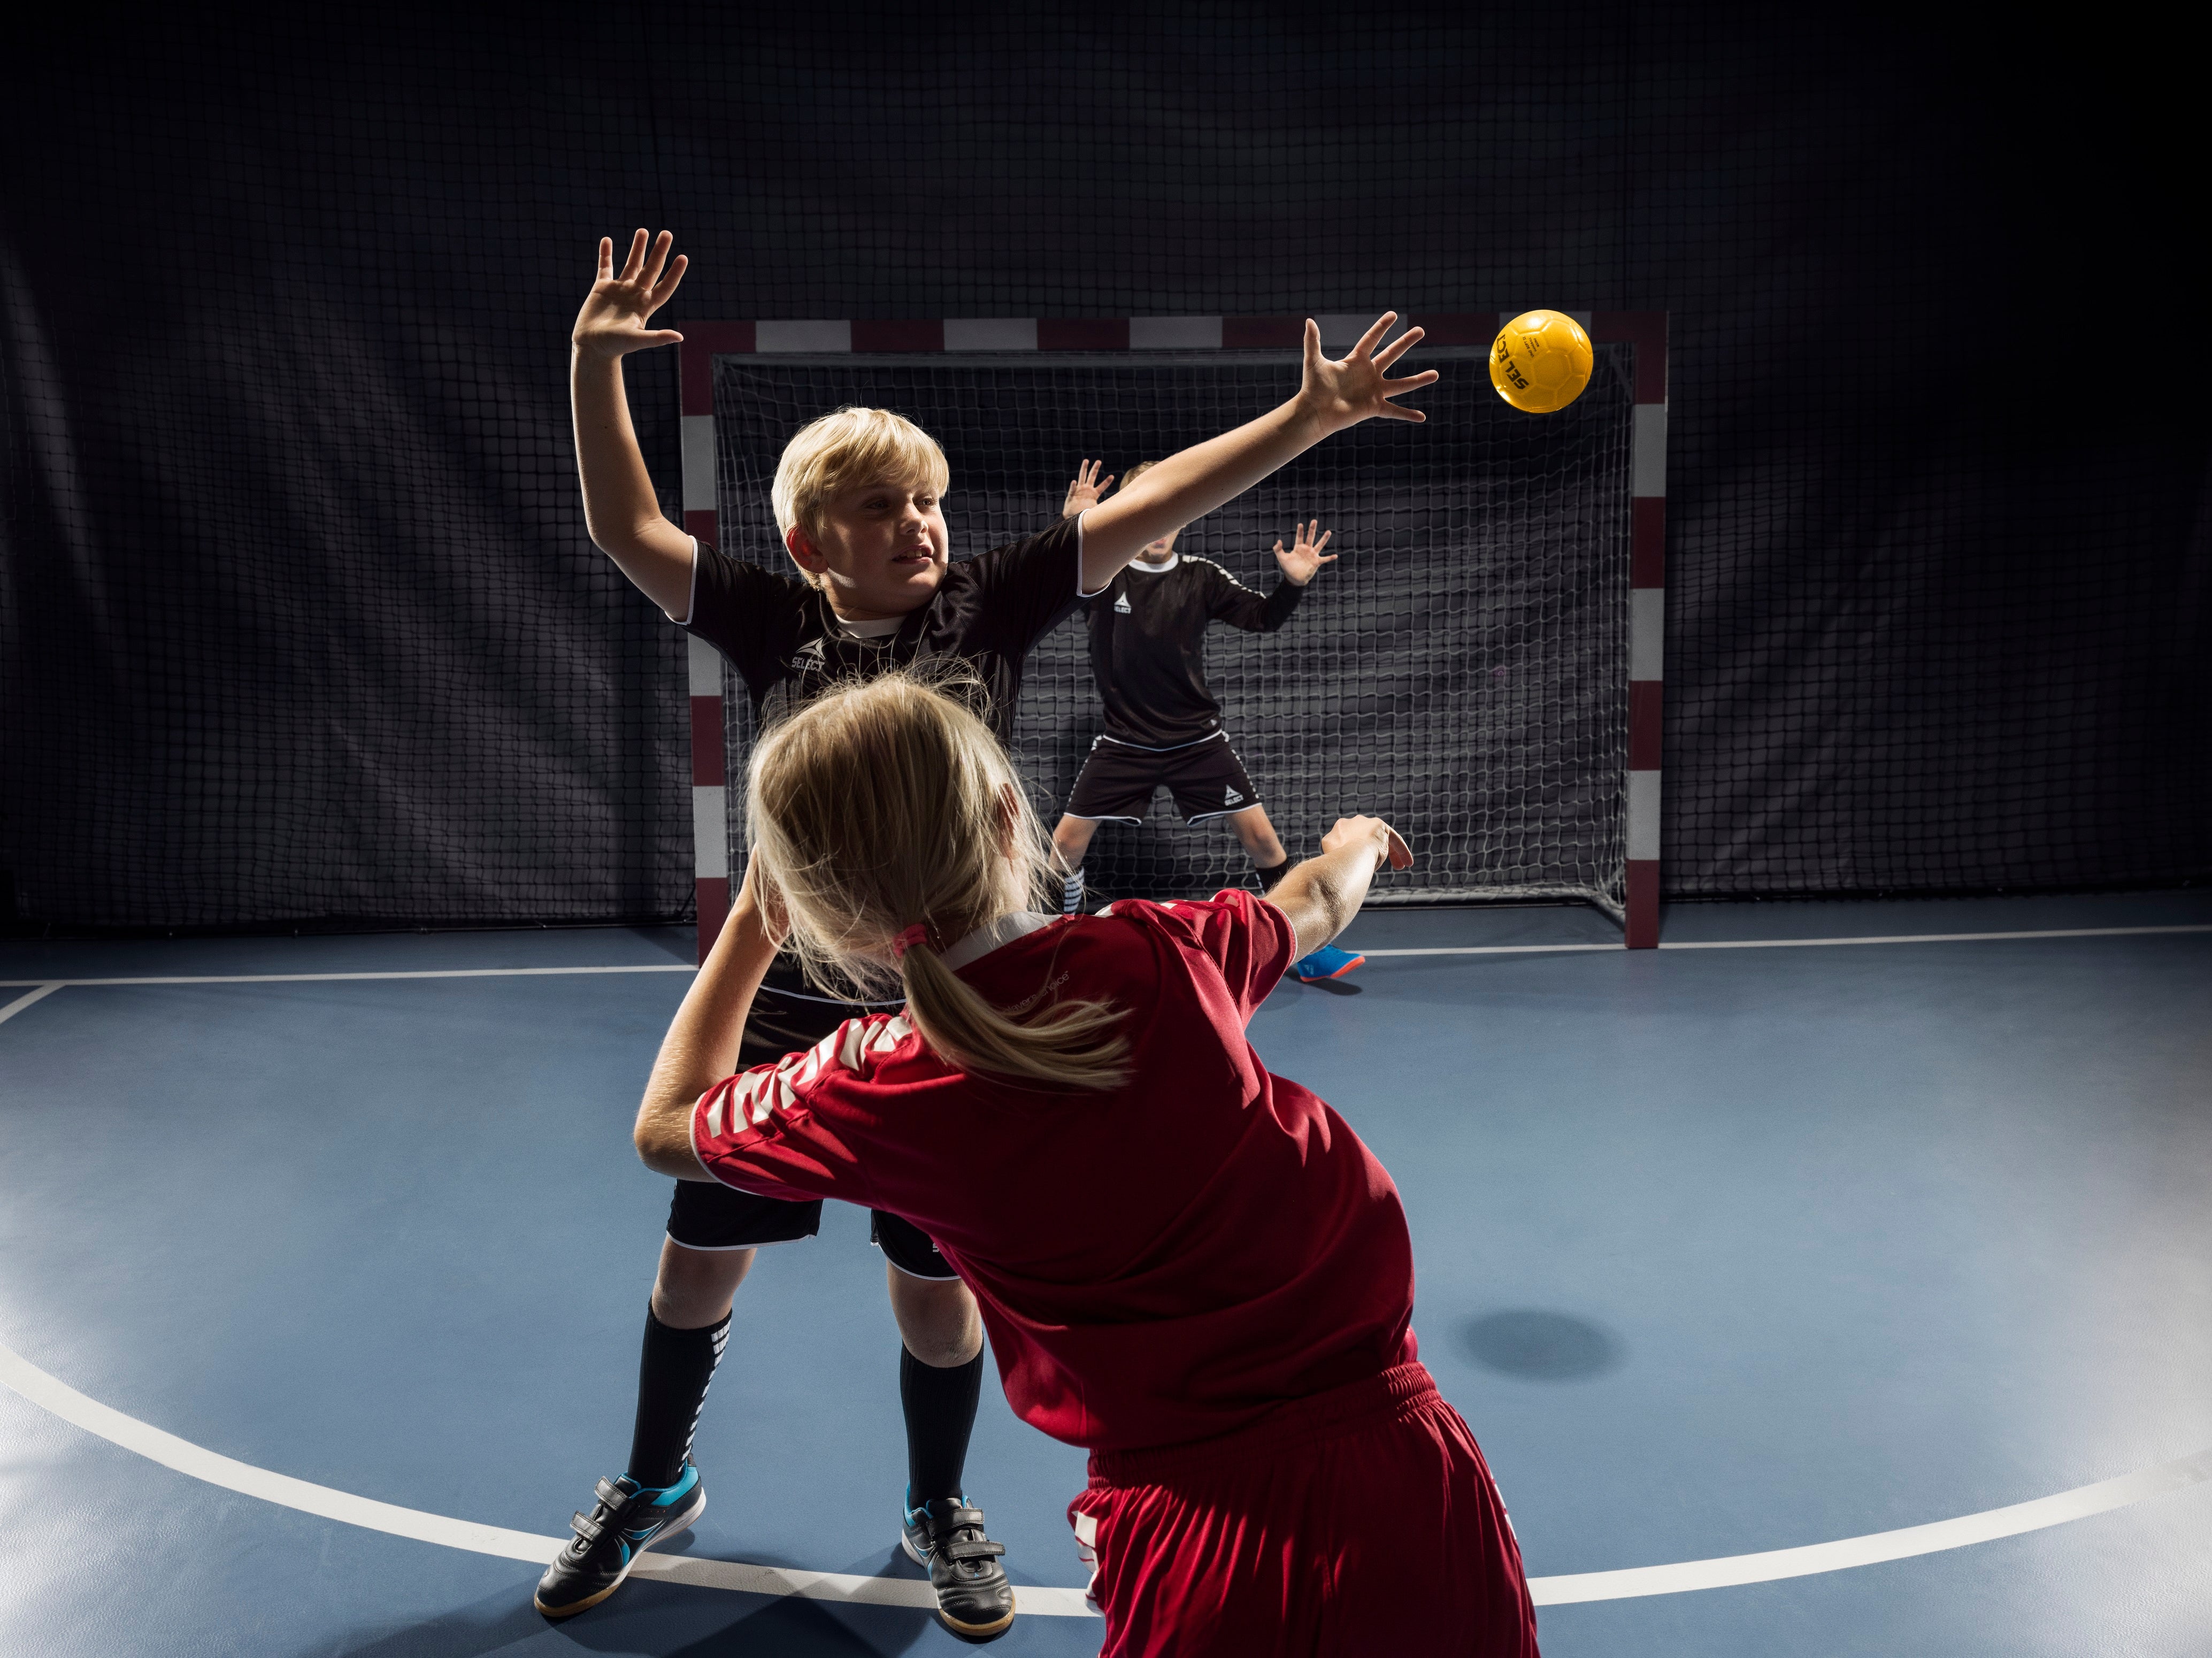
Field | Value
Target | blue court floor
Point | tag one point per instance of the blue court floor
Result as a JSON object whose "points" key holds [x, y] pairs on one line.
{"points": [[1721, 1251]]}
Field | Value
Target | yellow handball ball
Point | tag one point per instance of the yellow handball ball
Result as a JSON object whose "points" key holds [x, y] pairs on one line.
{"points": [[1540, 361]]}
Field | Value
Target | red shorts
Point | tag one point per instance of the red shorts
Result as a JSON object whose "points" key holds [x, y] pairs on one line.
{"points": [[1361, 1520]]}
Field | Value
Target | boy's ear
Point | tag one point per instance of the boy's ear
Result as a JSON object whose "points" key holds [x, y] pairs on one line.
{"points": [[802, 551]]}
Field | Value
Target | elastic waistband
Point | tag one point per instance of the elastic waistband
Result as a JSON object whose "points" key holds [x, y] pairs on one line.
{"points": [[1298, 1422]]}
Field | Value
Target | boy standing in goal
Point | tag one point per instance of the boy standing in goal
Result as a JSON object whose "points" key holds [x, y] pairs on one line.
{"points": [[1163, 723], [858, 499]]}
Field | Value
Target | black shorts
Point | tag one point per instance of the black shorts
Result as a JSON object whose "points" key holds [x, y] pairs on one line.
{"points": [[708, 1215], [1206, 777]]}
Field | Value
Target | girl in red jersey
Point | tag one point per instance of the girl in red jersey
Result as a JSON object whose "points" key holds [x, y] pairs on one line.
{"points": [[1186, 1264]]}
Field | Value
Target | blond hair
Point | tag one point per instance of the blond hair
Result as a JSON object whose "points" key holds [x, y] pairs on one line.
{"points": [[852, 446], [886, 805], [1137, 472]]}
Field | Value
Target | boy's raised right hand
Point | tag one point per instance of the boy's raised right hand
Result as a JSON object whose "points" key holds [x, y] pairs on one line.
{"points": [[1337, 392], [612, 323]]}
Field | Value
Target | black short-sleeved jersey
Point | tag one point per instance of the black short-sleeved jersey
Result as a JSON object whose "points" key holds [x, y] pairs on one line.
{"points": [[1147, 645], [789, 647]]}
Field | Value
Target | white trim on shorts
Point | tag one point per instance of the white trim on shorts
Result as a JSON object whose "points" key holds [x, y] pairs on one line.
{"points": [[919, 1277], [1220, 734], [725, 1249]]}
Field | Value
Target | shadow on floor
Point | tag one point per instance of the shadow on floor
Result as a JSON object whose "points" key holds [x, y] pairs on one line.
{"points": [[1541, 1346], [665, 1620]]}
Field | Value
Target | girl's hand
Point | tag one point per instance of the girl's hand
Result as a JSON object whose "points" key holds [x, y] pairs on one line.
{"points": [[1337, 394], [1389, 846], [612, 323]]}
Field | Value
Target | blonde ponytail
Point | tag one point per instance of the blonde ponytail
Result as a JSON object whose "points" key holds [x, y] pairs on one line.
{"points": [[1075, 1048], [886, 810]]}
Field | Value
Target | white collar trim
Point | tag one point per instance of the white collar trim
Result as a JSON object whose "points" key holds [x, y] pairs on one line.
{"points": [[985, 939], [1142, 569]]}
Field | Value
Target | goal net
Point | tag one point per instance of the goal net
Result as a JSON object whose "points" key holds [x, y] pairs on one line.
{"points": [[1461, 669]]}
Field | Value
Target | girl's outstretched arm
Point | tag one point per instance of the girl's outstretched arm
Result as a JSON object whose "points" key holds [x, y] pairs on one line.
{"points": [[1323, 895]]}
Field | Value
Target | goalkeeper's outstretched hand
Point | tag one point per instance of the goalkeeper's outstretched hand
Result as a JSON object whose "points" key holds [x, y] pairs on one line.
{"points": [[612, 323], [1303, 561], [1335, 394], [1086, 489]]}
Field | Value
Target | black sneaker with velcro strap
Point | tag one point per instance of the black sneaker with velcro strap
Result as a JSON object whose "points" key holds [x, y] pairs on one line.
{"points": [[625, 1521], [973, 1596]]}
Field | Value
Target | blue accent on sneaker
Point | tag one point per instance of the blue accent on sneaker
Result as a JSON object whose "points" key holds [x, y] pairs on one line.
{"points": [[662, 1496], [912, 1517], [1327, 962], [626, 1520]]}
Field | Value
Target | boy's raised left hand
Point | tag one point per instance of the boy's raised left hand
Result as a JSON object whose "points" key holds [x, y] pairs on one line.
{"points": [[1337, 393]]}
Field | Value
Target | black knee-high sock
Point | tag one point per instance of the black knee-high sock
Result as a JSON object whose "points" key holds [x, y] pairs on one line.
{"points": [[672, 1374], [940, 1414], [1268, 877]]}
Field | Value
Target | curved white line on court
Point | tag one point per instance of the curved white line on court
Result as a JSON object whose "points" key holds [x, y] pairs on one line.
{"points": [[186, 1458], [196, 1460], [22, 1002], [1876, 1547]]}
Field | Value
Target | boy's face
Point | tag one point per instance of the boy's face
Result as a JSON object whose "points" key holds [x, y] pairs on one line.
{"points": [[883, 547], [1157, 552]]}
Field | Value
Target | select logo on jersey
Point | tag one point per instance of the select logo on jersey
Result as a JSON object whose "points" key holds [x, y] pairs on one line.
{"points": [[808, 655], [1230, 796], [1121, 605]]}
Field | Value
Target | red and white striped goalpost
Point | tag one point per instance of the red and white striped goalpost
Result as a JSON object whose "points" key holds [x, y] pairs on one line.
{"points": [[1645, 330]]}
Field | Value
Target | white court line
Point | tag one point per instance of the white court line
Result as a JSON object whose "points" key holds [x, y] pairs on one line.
{"points": [[333, 978], [199, 1462], [22, 1002], [46, 985], [186, 1458], [1937, 937], [1902, 1545], [1804, 943]]}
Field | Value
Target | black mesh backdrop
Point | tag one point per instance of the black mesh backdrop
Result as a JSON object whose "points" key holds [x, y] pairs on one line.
{"points": [[298, 617], [1460, 669]]}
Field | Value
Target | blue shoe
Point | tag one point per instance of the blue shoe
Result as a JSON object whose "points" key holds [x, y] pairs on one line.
{"points": [[1327, 962], [625, 1521]]}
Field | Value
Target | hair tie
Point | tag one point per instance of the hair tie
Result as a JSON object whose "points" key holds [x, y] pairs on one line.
{"points": [[917, 934]]}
